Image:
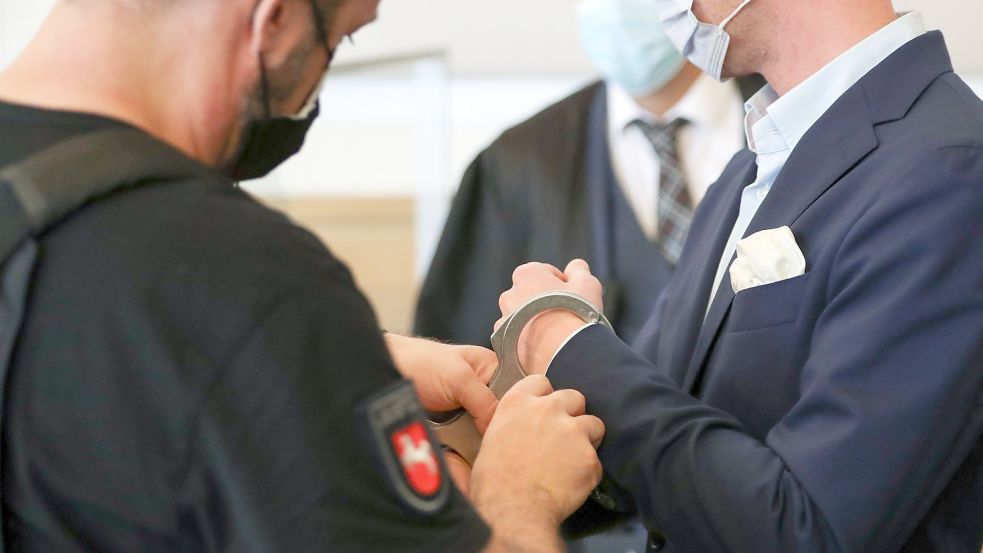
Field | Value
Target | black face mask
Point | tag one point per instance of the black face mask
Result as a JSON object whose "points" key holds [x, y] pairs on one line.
{"points": [[268, 142]]}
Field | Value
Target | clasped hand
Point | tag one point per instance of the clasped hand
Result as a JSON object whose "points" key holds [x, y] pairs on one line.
{"points": [[544, 335], [541, 441]]}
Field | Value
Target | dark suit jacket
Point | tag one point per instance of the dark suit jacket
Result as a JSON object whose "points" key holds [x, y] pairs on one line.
{"points": [[836, 411], [530, 196]]}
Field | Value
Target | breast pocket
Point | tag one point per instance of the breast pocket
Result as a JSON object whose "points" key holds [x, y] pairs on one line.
{"points": [[770, 305]]}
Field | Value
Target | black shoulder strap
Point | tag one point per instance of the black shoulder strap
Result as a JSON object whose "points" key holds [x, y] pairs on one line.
{"points": [[39, 192]]}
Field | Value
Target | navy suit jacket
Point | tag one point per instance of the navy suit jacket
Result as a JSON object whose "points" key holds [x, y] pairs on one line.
{"points": [[840, 410]]}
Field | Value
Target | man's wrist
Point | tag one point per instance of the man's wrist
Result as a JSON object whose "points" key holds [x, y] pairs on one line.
{"points": [[518, 521], [545, 335]]}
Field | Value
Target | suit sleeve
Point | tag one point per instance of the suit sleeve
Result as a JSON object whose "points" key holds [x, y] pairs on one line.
{"points": [[474, 260], [890, 393]]}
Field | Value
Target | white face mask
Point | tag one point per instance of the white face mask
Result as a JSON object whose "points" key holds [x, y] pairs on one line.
{"points": [[704, 45]]}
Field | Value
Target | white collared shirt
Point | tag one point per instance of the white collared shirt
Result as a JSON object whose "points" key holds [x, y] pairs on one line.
{"points": [[706, 145], [775, 125]]}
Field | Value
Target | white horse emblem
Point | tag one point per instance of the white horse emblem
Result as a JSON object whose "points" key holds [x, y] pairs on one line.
{"points": [[416, 453]]}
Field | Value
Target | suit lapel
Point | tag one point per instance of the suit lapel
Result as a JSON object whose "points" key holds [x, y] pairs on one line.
{"points": [[698, 267], [719, 309], [834, 145], [843, 138]]}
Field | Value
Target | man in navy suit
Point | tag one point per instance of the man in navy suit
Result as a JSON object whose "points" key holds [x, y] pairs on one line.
{"points": [[833, 402]]}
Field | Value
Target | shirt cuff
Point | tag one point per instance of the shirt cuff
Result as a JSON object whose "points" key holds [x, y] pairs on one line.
{"points": [[565, 342]]}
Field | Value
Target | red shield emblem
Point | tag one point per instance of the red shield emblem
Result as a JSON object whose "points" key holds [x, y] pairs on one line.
{"points": [[406, 448], [419, 462]]}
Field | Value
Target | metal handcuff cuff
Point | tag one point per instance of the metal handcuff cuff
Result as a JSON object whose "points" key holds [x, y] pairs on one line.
{"points": [[457, 430]]}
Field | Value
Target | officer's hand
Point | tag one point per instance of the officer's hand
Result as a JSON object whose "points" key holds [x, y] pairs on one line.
{"points": [[543, 335], [447, 377], [538, 456]]}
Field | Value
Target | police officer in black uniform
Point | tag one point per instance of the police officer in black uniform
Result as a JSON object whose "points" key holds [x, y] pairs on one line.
{"points": [[192, 372]]}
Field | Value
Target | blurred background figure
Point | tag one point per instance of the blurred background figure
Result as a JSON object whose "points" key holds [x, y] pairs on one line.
{"points": [[610, 174]]}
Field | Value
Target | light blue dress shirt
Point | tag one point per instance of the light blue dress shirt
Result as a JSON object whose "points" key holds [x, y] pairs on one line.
{"points": [[775, 125]]}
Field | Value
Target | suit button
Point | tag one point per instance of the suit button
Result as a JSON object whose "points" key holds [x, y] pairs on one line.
{"points": [[656, 542]]}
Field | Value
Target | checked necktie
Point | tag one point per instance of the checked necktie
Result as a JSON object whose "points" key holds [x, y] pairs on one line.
{"points": [[675, 207]]}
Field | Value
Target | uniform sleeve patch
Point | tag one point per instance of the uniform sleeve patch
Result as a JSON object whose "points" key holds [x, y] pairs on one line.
{"points": [[407, 448]]}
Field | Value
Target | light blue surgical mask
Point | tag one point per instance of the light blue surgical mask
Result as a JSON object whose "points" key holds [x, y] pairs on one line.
{"points": [[703, 44], [626, 42]]}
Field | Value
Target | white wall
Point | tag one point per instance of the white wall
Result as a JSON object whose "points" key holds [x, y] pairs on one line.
{"points": [[512, 36], [533, 36], [508, 36], [18, 21]]}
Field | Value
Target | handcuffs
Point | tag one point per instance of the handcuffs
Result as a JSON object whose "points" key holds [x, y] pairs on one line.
{"points": [[456, 429]]}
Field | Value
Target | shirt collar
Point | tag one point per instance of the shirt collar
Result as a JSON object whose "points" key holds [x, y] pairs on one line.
{"points": [[757, 110], [705, 104], [797, 111]]}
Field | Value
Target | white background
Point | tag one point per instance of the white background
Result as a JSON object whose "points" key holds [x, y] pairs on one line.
{"points": [[535, 36], [514, 36]]}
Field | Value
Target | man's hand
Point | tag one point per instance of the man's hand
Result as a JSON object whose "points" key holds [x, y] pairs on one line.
{"points": [[538, 462], [544, 334], [446, 376]]}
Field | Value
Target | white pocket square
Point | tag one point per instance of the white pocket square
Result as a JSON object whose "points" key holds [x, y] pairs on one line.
{"points": [[766, 257]]}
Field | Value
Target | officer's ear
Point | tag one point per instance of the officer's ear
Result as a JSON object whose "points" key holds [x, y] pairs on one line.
{"points": [[278, 29]]}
